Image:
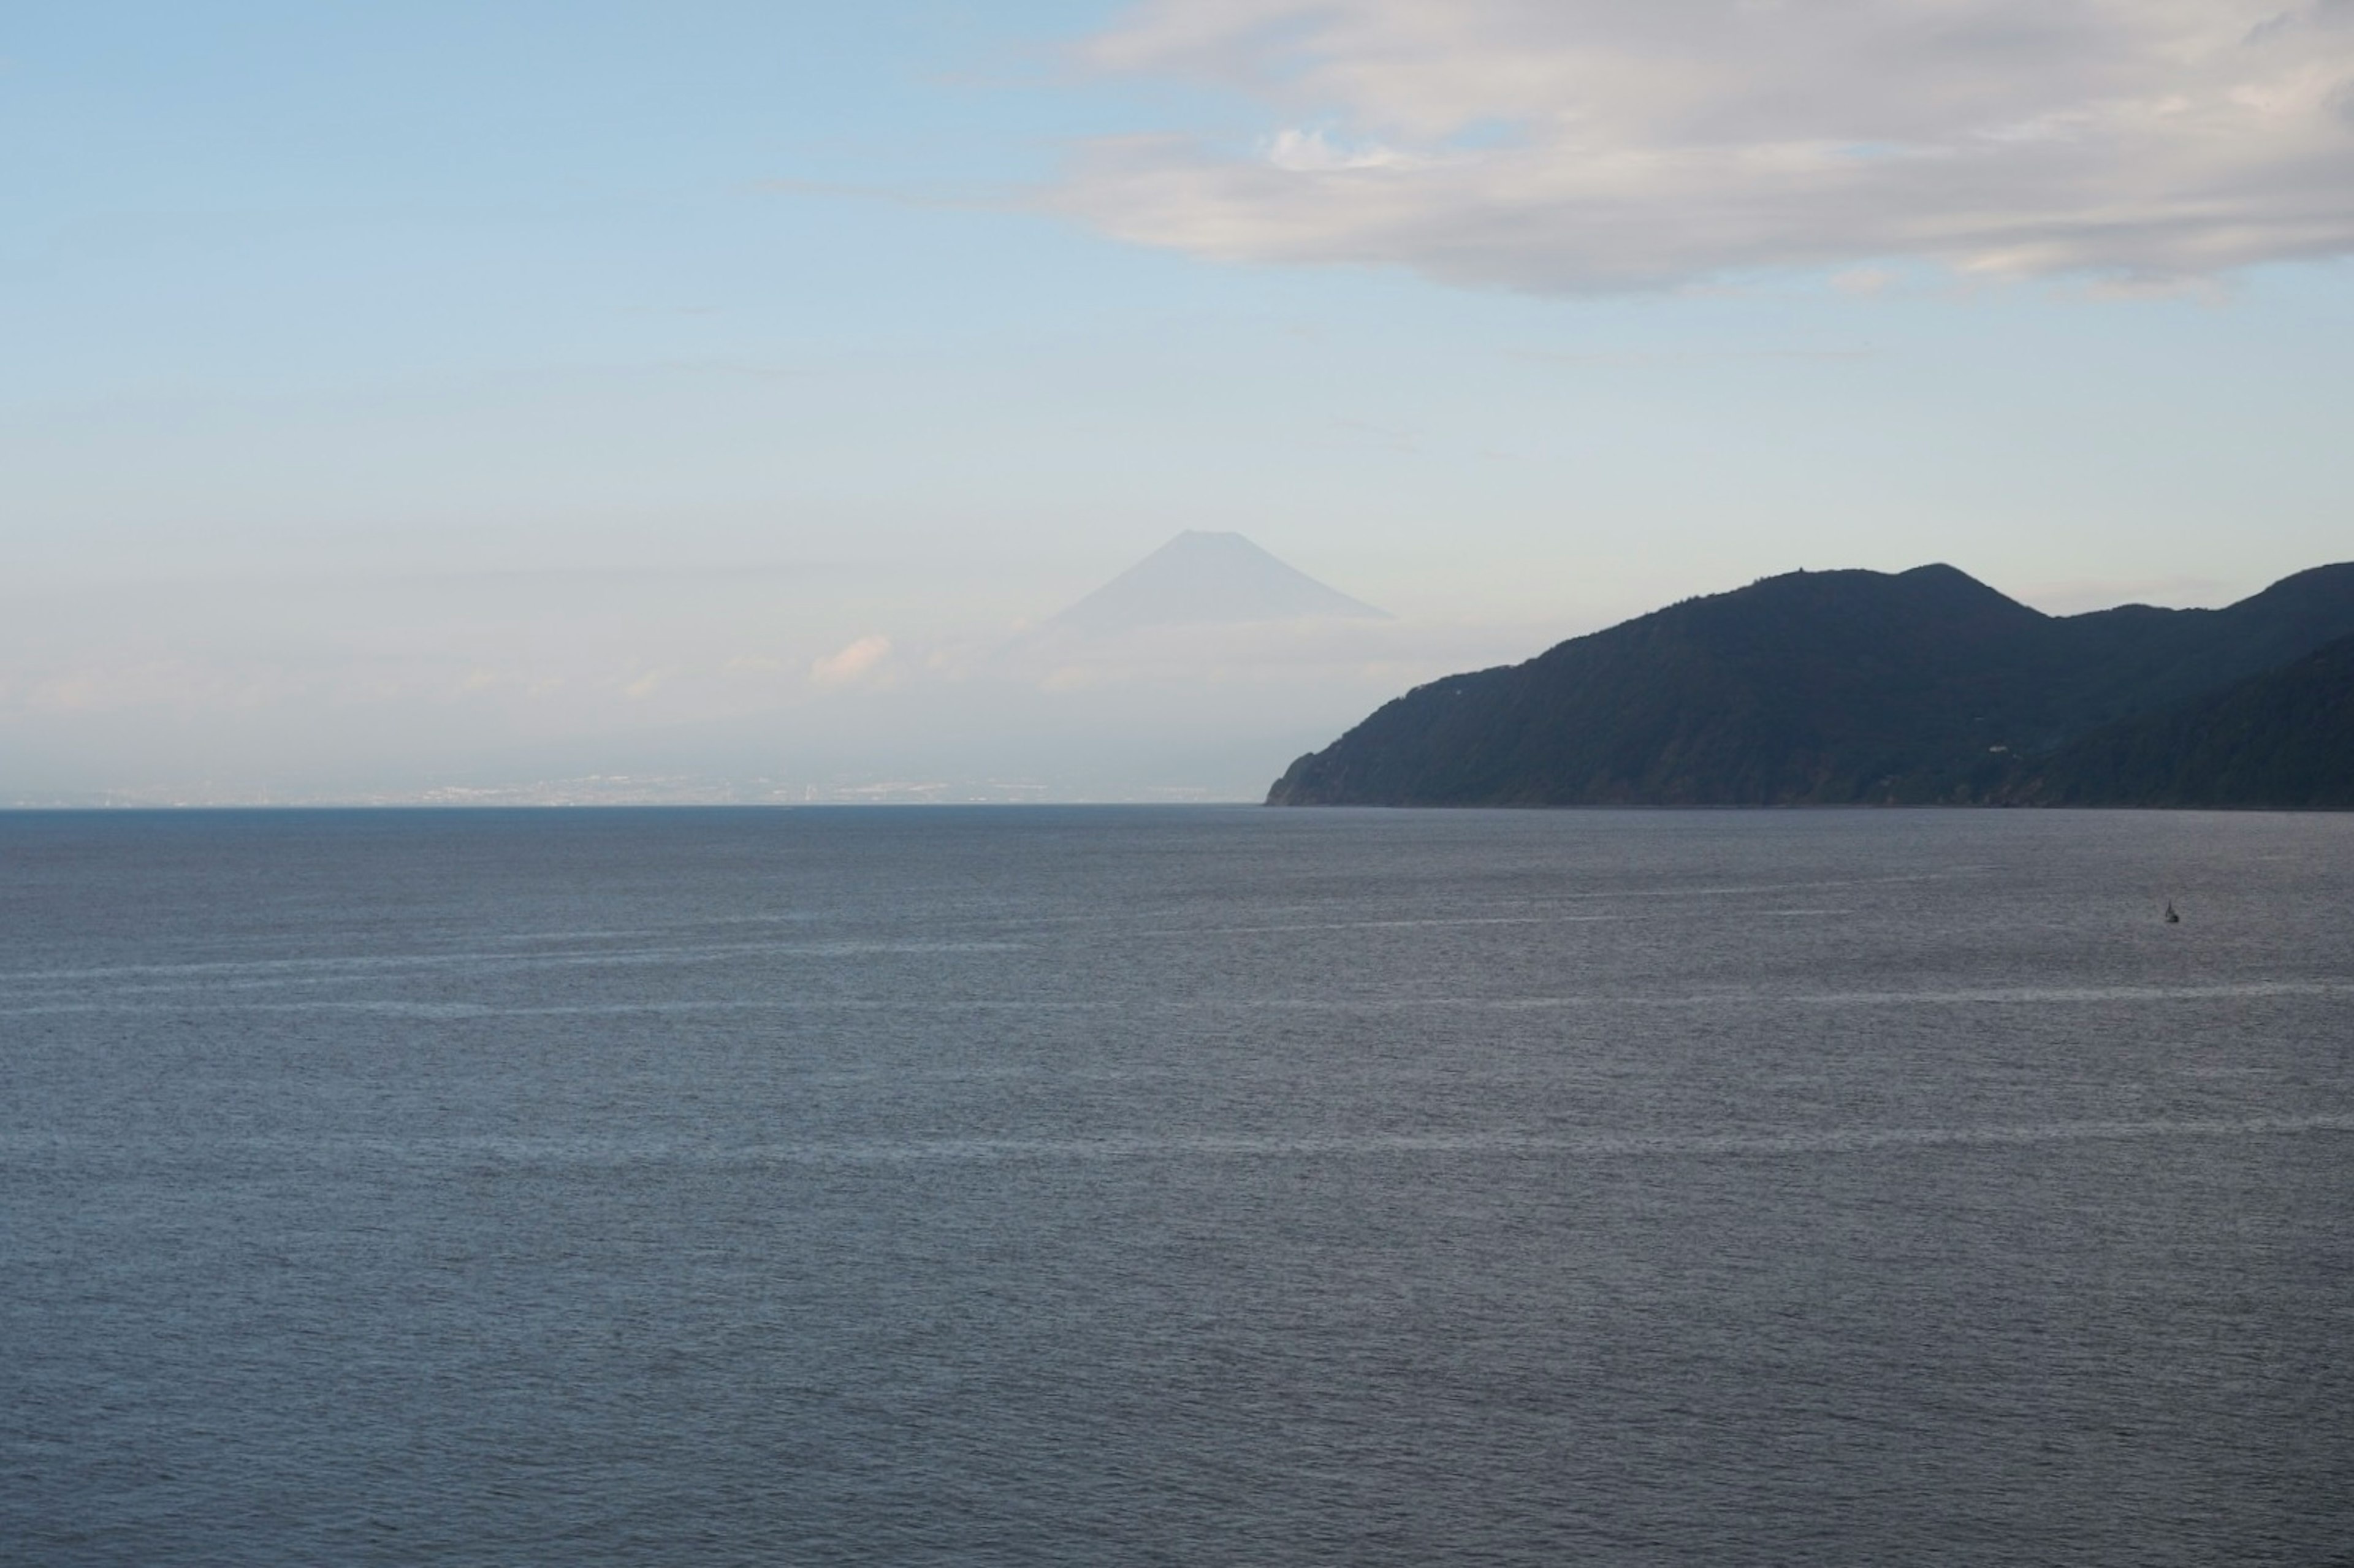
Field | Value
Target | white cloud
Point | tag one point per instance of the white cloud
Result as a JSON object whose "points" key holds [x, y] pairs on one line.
{"points": [[850, 663], [1314, 152], [1554, 145]]}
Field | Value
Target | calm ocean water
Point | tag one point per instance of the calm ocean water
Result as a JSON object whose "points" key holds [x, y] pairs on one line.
{"points": [[1188, 1186]]}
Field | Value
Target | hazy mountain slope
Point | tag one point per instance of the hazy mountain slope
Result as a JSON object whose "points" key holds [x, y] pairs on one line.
{"points": [[2282, 739], [1205, 577], [1813, 687]]}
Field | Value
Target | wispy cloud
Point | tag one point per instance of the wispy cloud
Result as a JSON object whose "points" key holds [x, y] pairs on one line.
{"points": [[1655, 142], [850, 663], [1313, 151]]}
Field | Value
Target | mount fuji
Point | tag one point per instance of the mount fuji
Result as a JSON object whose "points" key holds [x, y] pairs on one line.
{"points": [[1206, 578]]}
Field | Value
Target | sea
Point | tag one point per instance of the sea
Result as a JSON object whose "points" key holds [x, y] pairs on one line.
{"points": [[1176, 1186]]}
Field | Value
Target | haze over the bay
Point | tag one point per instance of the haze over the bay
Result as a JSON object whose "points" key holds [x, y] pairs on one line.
{"points": [[723, 401]]}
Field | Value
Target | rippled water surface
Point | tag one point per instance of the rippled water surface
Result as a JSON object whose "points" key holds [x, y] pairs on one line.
{"points": [[1109, 1186]]}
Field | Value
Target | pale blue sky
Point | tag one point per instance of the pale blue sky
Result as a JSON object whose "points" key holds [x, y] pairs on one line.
{"points": [[339, 337]]}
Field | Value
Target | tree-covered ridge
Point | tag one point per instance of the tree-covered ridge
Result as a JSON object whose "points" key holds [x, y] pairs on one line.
{"points": [[2282, 739], [1811, 688]]}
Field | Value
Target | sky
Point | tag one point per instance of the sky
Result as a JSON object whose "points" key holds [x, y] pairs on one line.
{"points": [[589, 401]]}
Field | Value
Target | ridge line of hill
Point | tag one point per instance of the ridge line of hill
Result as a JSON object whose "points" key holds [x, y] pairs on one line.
{"points": [[1860, 687]]}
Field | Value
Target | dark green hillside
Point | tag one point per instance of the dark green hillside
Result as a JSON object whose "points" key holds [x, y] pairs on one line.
{"points": [[2284, 739], [1815, 688], [2135, 657]]}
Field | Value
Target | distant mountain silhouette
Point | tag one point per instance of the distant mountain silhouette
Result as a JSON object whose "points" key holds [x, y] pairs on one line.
{"points": [[2284, 739], [1823, 688], [1203, 577]]}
